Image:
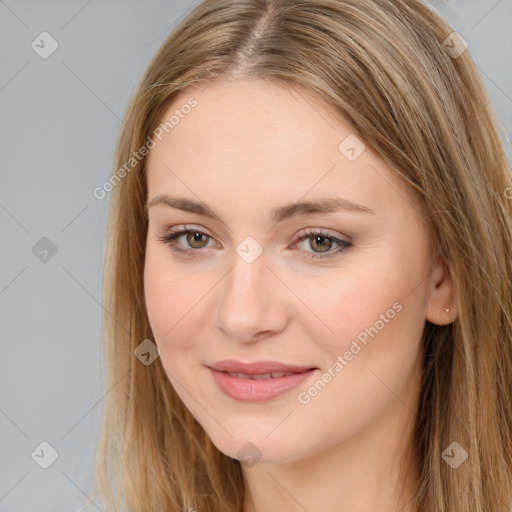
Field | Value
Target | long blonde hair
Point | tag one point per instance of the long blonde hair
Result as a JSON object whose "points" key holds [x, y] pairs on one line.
{"points": [[389, 69]]}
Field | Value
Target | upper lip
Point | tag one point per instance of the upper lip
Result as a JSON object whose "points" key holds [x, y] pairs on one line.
{"points": [[257, 367]]}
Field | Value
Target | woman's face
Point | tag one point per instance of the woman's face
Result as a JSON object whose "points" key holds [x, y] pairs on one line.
{"points": [[243, 286]]}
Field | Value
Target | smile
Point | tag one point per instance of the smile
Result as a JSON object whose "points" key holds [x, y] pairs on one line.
{"points": [[258, 387]]}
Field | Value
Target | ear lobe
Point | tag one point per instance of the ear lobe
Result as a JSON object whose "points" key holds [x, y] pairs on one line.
{"points": [[441, 296]]}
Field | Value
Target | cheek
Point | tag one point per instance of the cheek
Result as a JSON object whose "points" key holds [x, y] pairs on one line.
{"points": [[374, 348], [340, 307], [368, 314], [172, 305]]}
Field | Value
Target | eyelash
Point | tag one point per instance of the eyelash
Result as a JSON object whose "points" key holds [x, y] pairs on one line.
{"points": [[171, 236]]}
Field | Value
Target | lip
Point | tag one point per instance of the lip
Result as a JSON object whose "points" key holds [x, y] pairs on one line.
{"points": [[257, 390], [257, 367]]}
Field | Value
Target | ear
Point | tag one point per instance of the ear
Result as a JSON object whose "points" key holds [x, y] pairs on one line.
{"points": [[441, 295]]}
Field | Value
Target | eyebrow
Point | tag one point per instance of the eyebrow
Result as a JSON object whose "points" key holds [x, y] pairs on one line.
{"points": [[326, 205]]}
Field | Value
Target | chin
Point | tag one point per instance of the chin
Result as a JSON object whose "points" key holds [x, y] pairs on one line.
{"points": [[252, 449]]}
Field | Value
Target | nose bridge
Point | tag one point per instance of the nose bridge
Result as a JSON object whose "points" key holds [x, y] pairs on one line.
{"points": [[244, 307]]}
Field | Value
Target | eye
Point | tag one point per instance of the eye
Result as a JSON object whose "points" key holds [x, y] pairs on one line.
{"points": [[197, 239], [194, 237], [323, 242]]}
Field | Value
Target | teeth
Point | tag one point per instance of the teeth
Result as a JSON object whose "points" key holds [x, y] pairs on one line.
{"points": [[261, 375]]}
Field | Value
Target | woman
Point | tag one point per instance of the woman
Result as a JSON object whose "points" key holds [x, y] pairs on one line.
{"points": [[246, 369]]}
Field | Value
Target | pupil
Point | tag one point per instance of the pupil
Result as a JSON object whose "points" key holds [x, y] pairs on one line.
{"points": [[320, 238], [196, 237]]}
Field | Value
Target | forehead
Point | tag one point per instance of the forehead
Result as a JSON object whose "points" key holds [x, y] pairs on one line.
{"points": [[270, 114], [261, 141]]}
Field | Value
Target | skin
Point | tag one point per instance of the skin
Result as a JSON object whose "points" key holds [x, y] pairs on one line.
{"points": [[248, 147]]}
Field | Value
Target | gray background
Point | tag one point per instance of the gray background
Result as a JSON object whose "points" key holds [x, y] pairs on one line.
{"points": [[59, 119]]}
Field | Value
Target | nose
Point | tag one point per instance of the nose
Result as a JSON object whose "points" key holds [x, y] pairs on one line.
{"points": [[251, 302]]}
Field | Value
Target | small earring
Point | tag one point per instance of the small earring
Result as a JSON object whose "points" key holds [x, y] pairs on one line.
{"points": [[447, 310]]}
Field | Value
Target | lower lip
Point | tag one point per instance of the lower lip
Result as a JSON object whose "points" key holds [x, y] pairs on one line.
{"points": [[257, 390]]}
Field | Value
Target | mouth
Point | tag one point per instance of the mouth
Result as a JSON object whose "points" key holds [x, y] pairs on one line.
{"points": [[247, 387], [257, 368], [260, 376]]}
